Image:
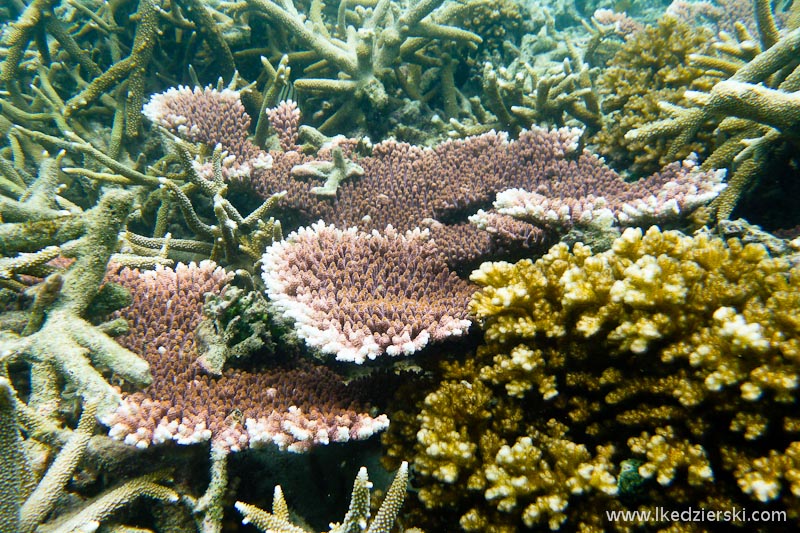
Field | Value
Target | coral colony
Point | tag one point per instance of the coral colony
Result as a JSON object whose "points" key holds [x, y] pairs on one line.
{"points": [[536, 263]]}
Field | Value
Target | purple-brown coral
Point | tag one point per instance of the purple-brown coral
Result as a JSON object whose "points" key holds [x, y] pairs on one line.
{"points": [[439, 188], [293, 408], [285, 120], [611, 202], [358, 295], [214, 118]]}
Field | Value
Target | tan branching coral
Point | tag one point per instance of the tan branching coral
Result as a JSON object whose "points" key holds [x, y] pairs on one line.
{"points": [[650, 67], [279, 521], [755, 110], [355, 63], [33, 501], [519, 97], [644, 376]]}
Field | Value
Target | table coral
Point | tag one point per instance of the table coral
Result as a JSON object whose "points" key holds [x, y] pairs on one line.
{"points": [[293, 408], [439, 188], [671, 358], [359, 295]]}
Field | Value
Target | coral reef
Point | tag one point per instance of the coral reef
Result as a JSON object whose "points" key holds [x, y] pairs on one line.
{"points": [[754, 110], [357, 515], [650, 67], [152, 150], [359, 295], [677, 353], [292, 408]]}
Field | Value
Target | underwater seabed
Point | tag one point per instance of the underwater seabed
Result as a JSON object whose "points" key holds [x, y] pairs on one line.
{"points": [[399, 266]]}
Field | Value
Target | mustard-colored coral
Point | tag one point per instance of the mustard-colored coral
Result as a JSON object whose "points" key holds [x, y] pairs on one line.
{"points": [[755, 110], [651, 67], [546, 474], [662, 371]]}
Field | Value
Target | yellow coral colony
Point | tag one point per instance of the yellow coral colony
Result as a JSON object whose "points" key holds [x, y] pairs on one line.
{"points": [[672, 357]]}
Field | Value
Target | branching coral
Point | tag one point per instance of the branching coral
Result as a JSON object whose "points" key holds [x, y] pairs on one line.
{"points": [[358, 62], [40, 21], [64, 341], [676, 354], [357, 515], [27, 500], [519, 97], [650, 67], [236, 239], [755, 109]]}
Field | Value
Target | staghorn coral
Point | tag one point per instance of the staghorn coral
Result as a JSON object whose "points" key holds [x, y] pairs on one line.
{"points": [[519, 97], [230, 237], [357, 515], [103, 77], [755, 110], [670, 354], [59, 339], [30, 500], [355, 64], [650, 67], [359, 295]]}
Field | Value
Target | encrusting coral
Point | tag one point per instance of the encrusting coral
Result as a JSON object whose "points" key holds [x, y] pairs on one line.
{"points": [[356, 519], [677, 354]]}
